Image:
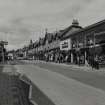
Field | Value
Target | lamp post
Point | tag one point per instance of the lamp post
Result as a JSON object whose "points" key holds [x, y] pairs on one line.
{"points": [[2, 43]]}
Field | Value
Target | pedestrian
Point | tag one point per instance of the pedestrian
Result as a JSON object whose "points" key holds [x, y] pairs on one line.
{"points": [[66, 58], [96, 63], [86, 63], [92, 62]]}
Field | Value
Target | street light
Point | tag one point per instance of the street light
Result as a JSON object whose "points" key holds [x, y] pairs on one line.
{"points": [[2, 43]]}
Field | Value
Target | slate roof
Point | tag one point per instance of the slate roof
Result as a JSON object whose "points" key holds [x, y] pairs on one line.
{"points": [[41, 41], [53, 36], [70, 30], [49, 37], [85, 28], [94, 25]]}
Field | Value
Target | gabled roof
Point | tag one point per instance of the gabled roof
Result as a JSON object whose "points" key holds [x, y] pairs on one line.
{"points": [[49, 37], [41, 41], [59, 33], [53, 36], [35, 44]]}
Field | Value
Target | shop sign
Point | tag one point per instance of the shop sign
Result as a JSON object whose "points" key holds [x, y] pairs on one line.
{"points": [[65, 44]]}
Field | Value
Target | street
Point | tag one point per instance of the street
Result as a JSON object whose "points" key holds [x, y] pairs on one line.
{"points": [[51, 84], [52, 52], [63, 85]]}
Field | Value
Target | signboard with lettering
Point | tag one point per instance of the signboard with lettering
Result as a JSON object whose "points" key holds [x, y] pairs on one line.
{"points": [[4, 42], [65, 44]]}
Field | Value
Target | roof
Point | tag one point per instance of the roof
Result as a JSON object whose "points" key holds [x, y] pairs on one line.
{"points": [[91, 26], [70, 30], [41, 41], [54, 35], [94, 25], [35, 43], [84, 29]]}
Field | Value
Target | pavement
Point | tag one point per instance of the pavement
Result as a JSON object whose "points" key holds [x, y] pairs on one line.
{"points": [[64, 85], [11, 88], [76, 67]]}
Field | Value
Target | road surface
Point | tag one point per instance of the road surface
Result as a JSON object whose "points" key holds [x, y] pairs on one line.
{"points": [[65, 85]]}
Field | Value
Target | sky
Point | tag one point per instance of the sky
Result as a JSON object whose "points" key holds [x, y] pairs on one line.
{"points": [[22, 20]]}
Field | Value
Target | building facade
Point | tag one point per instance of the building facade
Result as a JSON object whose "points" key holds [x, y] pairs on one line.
{"points": [[74, 44], [87, 43]]}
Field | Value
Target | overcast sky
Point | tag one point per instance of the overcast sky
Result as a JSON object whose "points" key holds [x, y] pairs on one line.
{"points": [[22, 20]]}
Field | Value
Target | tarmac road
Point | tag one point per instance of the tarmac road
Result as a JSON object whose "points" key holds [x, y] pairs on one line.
{"points": [[92, 78], [65, 85]]}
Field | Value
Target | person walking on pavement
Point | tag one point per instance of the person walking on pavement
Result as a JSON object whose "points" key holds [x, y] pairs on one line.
{"points": [[96, 63]]}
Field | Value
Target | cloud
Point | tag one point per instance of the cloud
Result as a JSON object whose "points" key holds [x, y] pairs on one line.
{"points": [[92, 13], [22, 20]]}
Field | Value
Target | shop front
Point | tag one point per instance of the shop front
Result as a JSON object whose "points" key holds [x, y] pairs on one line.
{"points": [[65, 48], [51, 50], [100, 47], [78, 50]]}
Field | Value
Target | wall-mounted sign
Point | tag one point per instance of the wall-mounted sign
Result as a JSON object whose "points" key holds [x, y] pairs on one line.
{"points": [[65, 44]]}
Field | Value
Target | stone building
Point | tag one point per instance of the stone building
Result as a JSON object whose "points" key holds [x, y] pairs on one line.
{"points": [[49, 44], [79, 44], [87, 43], [68, 42]]}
